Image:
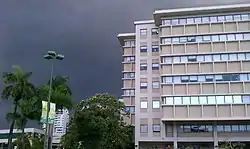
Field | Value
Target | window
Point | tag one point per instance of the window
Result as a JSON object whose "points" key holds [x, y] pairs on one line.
{"points": [[144, 104], [186, 100], [144, 128], [213, 19], [167, 60], [156, 128], [224, 57], [206, 38], [192, 58], [193, 78], [197, 20], [203, 100], [143, 85], [143, 66], [169, 100], [246, 36], [177, 101], [229, 18], [175, 21], [215, 38], [182, 21], [132, 43], [211, 100], [218, 78], [231, 37], [176, 59], [246, 100], [194, 100], [183, 39], [205, 19], [220, 99], [244, 17], [237, 17], [129, 59], [167, 80], [208, 58], [200, 58], [143, 32], [233, 57], [130, 109], [184, 59], [223, 37], [237, 99], [154, 31], [127, 43], [239, 36], [243, 77], [209, 78], [216, 57], [143, 49], [185, 79], [156, 85], [155, 48], [190, 20], [156, 104], [241, 57], [228, 99], [155, 66], [221, 18]]}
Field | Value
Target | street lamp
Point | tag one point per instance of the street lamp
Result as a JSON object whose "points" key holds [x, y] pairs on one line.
{"points": [[51, 55]]}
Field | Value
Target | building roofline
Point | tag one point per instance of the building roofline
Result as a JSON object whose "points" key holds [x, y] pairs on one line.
{"points": [[25, 130], [199, 10], [122, 36], [144, 22]]}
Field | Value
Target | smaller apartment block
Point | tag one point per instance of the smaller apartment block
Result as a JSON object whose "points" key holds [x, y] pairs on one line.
{"points": [[186, 77]]}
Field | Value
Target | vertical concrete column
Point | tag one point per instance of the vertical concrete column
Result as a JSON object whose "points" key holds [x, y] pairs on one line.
{"points": [[163, 130], [215, 136], [137, 145], [175, 135]]}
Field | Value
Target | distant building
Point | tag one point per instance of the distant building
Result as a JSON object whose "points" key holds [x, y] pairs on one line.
{"points": [[5, 132], [60, 125]]}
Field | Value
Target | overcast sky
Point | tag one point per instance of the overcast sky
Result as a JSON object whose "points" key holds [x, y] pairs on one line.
{"points": [[83, 30]]}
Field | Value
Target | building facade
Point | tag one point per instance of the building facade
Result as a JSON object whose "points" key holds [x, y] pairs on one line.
{"points": [[60, 124], [186, 77]]}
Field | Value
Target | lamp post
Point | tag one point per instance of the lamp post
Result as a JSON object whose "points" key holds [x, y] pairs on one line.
{"points": [[51, 55]]}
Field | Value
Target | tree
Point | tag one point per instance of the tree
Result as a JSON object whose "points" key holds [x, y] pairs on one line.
{"points": [[61, 92], [231, 145], [17, 88], [32, 141], [97, 124]]}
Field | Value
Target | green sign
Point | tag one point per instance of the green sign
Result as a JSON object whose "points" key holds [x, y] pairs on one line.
{"points": [[52, 112]]}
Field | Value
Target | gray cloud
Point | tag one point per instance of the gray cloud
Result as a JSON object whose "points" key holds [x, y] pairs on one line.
{"points": [[83, 30]]}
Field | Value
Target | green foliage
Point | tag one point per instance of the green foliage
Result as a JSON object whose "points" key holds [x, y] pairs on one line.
{"points": [[17, 88], [230, 145], [26, 98], [98, 124], [61, 93], [31, 141]]}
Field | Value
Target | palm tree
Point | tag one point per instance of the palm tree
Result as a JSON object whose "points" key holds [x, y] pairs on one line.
{"points": [[61, 93], [28, 111], [32, 108], [17, 88], [31, 141]]}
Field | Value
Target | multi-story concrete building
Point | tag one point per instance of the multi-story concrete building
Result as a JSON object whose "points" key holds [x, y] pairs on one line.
{"points": [[187, 73], [60, 124]]}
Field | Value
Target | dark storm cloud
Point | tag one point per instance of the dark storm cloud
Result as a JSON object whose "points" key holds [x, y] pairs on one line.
{"points": [[83, 30]]}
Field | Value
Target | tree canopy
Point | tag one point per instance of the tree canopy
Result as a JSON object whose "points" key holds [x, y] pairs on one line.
{"points": [[98, 124]]}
